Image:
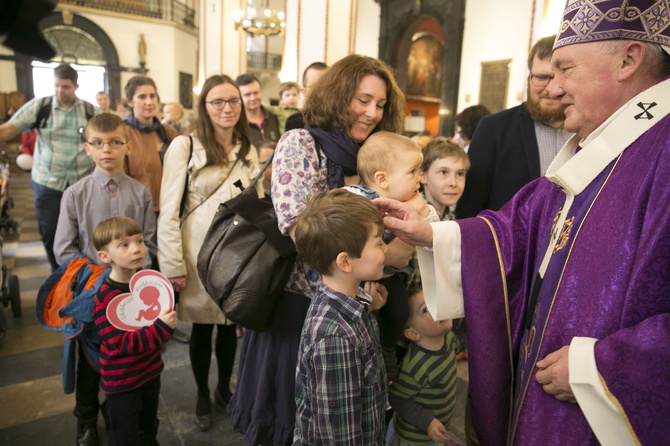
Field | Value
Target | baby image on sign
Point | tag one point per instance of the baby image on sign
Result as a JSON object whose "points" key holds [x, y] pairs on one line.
{"points": [[150, 294]]}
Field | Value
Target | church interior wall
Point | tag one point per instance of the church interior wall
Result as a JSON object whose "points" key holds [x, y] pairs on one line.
{"points": [[495, 31], [7, 72], [221, 46], [366, 40], [492, 31], [169, 51], [339, 31], [311, 34]]}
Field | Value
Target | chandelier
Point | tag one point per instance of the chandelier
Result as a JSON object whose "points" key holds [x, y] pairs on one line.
{"points": [[271, 23]]}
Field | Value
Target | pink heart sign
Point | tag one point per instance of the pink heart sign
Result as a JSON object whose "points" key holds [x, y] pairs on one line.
{"points": [[150, 294]]}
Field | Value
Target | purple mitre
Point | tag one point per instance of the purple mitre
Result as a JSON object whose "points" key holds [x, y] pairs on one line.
{"points": [[593, 20]]}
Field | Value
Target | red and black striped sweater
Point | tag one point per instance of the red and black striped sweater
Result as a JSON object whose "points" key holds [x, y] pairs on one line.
{"points": [[128, 359]]}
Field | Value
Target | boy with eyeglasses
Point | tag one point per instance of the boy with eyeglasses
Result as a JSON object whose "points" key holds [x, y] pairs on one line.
{"points": [[107, 192]]}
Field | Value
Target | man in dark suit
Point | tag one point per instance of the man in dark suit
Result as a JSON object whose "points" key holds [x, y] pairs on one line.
{"points": [[513, 147]]}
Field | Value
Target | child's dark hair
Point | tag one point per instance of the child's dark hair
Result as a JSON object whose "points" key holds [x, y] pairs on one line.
{"points": [[113, 228], [105, 123], [333, 222], [441, 147], [412, 291], [468, 119]]}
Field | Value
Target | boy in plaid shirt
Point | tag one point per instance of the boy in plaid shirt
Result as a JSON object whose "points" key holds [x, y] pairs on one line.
{"points": [[340, 378]]}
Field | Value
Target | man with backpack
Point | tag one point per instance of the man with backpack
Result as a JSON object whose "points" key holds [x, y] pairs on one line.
{"points": [[59, 159]]}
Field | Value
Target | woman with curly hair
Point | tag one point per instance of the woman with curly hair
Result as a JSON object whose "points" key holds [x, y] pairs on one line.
{"points": [[354, 98]]}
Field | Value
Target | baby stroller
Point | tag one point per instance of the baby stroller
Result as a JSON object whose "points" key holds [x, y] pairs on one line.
{"points": [[9, 283]]}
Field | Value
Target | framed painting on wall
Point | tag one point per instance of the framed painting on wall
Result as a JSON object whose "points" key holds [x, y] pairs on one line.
{"points": [[494, 83], [186, 89], [424, 67]]}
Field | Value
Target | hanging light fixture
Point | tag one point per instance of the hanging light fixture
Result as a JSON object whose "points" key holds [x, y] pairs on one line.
{"points": [[270, 23]]}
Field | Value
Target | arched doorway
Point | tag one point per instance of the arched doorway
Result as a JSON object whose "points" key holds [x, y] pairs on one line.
{"points": [[78, 41]]}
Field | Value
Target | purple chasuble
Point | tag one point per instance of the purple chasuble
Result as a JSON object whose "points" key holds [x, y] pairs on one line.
{"points": [[608, 279]]}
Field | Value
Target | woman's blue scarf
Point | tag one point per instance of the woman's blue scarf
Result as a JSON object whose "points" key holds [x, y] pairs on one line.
{"points": [[340, 150], [155, 126]]}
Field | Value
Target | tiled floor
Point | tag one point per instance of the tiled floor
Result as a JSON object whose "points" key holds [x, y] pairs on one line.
{"points": [[34, 410]]}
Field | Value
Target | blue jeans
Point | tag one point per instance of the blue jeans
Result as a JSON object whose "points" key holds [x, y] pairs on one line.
{"points": [[47, 209]]}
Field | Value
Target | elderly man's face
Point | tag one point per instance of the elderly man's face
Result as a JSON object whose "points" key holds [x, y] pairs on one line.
{"points": [[585, 80]]}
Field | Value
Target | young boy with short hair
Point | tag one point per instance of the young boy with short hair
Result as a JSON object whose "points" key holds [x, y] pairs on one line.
{"points": [[388, 165], [340, 378], [289, 94], [130, 361], [106, 192], [445, 165], [442, 174], [423, 396]]}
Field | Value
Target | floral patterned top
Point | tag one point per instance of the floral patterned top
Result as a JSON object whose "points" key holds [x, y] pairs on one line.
{"points": [[298, 169]]}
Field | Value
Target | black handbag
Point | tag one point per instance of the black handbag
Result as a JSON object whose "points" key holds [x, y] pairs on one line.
{"points": [[245, 262]]}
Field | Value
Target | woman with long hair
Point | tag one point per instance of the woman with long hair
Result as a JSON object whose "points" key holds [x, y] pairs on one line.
{"points": [[355, 97], [217, 154], [148, 139]]}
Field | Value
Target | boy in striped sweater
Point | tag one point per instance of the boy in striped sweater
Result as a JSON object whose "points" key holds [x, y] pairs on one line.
{"points": [[130, 361], [423, 396]]}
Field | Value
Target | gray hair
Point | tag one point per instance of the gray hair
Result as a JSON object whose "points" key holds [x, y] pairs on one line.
{"points": [[656, 60]]}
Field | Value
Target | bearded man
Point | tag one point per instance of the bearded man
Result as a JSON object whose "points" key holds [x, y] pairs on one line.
{"points": [[513, 147]]}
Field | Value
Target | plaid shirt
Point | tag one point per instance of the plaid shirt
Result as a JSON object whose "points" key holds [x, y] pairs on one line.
{"points": [[59, 159], [340, 378]]}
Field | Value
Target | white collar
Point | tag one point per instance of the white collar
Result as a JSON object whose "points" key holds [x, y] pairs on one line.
{"points": [[573, 171]]}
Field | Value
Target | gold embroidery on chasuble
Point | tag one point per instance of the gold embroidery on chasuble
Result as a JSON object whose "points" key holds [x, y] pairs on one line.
{"points": [[565, 235]]}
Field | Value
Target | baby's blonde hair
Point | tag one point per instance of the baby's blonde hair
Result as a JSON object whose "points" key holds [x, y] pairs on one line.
{"points": [[379, 153], [178, 108]]}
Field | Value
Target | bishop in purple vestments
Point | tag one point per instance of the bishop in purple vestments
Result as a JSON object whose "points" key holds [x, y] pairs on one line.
{"points": [[567, 287]]}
